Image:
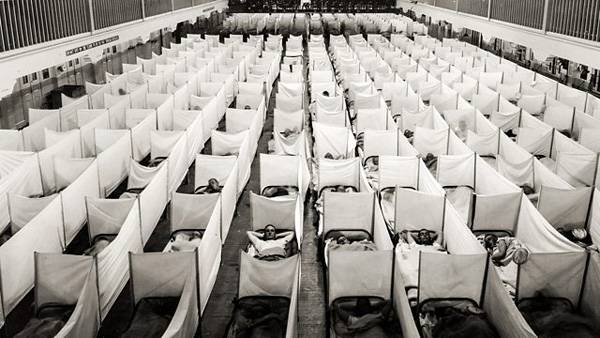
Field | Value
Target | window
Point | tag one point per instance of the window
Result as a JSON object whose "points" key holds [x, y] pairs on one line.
{"points": [[25, 79], [114, 49], [45, 73], [34, 77], [71, 63]]}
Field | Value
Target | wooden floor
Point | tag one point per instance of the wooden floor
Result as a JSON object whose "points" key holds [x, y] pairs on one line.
{"points": [[311, 297]]}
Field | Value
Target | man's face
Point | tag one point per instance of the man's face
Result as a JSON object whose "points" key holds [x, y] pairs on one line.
{"points": [[343, 240], [424, 237], [269, 232]]}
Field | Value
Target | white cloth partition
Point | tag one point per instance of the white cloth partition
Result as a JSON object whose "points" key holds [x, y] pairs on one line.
{"points": [[69, 146], [153, 200], [401, 171], [559, 274], [359, 274], [227, 144], [23, 209], [456, 170], [348, 211], [431, 141], [416, 210], [338, 141], [86, 185], [106, 216], [113, 265], [20, 175], [262, 278], [439, 280], [69, 280], [565, 209], [44, 233], [114, 154]]}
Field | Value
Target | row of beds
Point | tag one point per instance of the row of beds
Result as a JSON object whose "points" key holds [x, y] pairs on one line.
{"points": [[437, 318], [540, 312]]}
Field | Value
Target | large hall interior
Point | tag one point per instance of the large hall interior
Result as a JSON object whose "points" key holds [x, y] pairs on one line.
{"points": [[300, 168]]}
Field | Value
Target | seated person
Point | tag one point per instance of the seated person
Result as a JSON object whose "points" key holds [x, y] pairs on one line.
{"points": [[270, 244], [360, 315], [212, 187], [185, 241]]}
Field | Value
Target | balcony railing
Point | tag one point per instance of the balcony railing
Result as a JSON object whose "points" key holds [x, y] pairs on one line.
{"points": [[577, 18], [25, 23], [28, 22]]}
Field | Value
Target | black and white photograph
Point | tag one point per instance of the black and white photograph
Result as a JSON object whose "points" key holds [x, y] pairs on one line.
{"points": [[300, 168]]}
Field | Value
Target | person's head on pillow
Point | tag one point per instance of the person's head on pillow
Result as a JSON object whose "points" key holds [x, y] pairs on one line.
{"points": [[342, 240], [579, 233], [527, 190], [429, 157], [375, 160], [270, 232], [247, 107], [325, 93], [408, 133], [122, 91], [328, 156], [213, 183], [425, 237], [489, 241]]}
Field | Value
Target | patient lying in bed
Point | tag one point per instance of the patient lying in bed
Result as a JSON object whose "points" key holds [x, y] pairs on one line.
{"points": [[372, 171], [531, 194], [152, 317], [556, 317], [363, 317], [455, 318], [100, 243], [185, 241], [348, 241], [259, 317], [47, 323], [212, 187], [410, 244], [578, 235], [289, 137], [270, 245], [281, 190], [507, 254]]}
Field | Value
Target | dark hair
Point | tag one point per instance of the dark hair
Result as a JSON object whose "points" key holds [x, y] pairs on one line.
{"points": [[363, 306]]}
